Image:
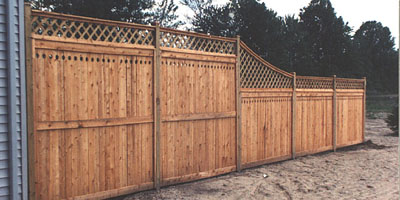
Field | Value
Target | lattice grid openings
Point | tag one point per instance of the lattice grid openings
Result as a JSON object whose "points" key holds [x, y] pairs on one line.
{"points": [[197, 43], [342, 83], [254, 74], [314, 83], [81, 29]]}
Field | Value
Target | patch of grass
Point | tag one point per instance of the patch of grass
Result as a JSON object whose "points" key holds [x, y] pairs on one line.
{"points": [[371, 115], [380, 103]]}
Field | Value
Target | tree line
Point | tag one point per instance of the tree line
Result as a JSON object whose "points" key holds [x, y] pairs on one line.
{"points": [[316, 42]]}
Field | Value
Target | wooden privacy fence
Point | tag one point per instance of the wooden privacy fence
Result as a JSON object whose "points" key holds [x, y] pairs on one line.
{"points": [[117, 107]]}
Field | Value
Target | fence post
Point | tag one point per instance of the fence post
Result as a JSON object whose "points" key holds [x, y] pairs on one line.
{"points": [[364, 106], [294, 117], [156, 107], [334, 114], [29, 101], [238, 109]]}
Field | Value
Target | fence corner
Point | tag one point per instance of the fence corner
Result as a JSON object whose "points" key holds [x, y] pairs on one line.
{"points": [[364, 106]]}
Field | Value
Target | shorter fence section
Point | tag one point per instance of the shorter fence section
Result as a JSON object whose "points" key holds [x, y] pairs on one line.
{"points": [[314, 120], [284, 115], [350, 117], [266, 125]]}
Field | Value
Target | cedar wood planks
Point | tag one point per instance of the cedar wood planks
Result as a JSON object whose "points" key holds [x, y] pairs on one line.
{"points": [[196, 88], [72, 86], [266, 126], [198, 111]]}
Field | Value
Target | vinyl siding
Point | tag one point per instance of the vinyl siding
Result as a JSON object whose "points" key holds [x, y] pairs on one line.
{"points": [[4, 179], [11, 170]]}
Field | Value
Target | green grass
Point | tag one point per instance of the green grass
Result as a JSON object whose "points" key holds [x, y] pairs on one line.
{"points": [[381, 103]]}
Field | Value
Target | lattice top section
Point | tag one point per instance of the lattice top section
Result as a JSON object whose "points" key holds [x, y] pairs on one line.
{"points": [[69, 26], [198, 42], [254, 71], [306, 82], [256, 74], [342, 83]]}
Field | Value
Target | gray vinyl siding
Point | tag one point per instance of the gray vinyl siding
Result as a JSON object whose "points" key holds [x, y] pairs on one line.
{"points": [[13, 176], [4, 179]]}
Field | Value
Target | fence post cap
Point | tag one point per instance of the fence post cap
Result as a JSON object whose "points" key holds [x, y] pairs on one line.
{"points": [[334, 76]]}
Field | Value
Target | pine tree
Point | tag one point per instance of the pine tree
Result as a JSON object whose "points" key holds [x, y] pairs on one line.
{"points": [[137, 11], [164, 13], [327, 36], [259, 27], [375, 46], [211, 19]]}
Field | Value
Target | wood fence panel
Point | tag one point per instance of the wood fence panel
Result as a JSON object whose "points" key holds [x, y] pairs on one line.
{"points": [[93, 118], [313, 121], [266, 126], [98, 88], [198, 117], [349, 117]]}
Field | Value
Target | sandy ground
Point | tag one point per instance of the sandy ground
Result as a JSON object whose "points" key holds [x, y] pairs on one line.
{"points": [[367, 171]]}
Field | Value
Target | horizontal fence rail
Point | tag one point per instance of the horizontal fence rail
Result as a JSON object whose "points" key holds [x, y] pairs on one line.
{"points": [[121, 107]]}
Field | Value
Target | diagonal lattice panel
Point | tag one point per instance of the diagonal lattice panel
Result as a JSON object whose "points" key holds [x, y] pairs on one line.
{"points": [[81, 28], [305, 82], [342, 83], [255, 74], [181, 40]]}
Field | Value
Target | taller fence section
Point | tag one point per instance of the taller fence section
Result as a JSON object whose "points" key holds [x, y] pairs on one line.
{"points": [[198, 107], [93, 107], [121, 107], [117, 107]]}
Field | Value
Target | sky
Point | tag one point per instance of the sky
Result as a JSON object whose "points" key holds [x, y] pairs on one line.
{"points": [[355, 12]]}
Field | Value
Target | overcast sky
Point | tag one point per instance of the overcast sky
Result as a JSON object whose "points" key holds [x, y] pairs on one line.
{"points": [[355, 12]]}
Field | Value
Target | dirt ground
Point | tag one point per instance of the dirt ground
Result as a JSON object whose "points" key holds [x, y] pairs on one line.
{"points": [[367, 171]]}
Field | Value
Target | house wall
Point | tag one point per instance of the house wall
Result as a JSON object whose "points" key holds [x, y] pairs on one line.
{"points": [[12, 100]]}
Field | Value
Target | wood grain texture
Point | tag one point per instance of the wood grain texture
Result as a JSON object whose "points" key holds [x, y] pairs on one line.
{"points": [[156, 106], [198, 112], [350, 119], [266, 127], [111, 116], [30, 116], [93, 121], [238, 108], [314, 122]]}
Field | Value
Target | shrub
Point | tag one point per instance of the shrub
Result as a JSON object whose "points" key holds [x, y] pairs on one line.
{"points": [[392, 120]]}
